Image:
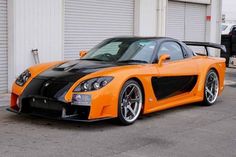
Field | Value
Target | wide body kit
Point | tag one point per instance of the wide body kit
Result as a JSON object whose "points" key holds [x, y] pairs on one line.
{"points": [[50, 90]]}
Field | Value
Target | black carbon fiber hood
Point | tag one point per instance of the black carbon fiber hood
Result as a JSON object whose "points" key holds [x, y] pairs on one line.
{"points": [[71, 71], [55, 82]]}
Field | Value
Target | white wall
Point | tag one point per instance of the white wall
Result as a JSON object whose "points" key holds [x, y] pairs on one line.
{"points": [[145, 18], [34, 24], [161, 17], [213, 27]]}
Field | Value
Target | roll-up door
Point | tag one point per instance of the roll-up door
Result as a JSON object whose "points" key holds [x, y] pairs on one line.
{"points": [[175, 20], [195, 22], [3, 46], [88, 22], [186, 21]]}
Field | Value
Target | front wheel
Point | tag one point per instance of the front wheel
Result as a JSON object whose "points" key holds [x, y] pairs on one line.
{"points": [[211, 89], [130, 102]]}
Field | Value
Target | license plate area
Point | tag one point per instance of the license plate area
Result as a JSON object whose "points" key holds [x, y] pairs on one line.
{"points": [[43, 103]]}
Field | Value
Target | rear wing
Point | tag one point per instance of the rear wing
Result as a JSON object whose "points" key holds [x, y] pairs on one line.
{"points": [[206, 45]]}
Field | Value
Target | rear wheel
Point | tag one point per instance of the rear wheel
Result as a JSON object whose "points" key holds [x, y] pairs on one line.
{"points": [[130, 102], [211, 88]]}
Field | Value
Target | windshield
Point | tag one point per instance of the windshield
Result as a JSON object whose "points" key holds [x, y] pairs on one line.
{"points": [[123, 50], [223, 27]]}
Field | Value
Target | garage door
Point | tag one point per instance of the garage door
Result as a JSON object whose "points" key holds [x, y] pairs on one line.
{"points": [[186, 21], [3, 46], [88, 22]]}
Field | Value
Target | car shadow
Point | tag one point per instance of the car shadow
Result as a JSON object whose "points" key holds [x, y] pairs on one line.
{"points": [[170, 111], [232, 67], [59, 124]]}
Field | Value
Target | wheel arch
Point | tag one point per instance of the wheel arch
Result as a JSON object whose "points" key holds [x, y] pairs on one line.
{"points": [[206, 102], [203, 71], [201, 88], [217, 72], [220, 77], [142, 88]]}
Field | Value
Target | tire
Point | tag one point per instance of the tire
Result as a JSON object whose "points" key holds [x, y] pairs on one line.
{"points": [[227, 62], [211, 88], [130, 103]]}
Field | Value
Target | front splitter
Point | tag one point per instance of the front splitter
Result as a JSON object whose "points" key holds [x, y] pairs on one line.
{"points": [[58, 118]]}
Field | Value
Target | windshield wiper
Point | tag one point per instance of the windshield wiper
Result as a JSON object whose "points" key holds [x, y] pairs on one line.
{"points": [[132, 61], [93, 59]]}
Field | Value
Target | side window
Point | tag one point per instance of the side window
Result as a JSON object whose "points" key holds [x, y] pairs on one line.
{"points": [[234, 31], [173, 49]]}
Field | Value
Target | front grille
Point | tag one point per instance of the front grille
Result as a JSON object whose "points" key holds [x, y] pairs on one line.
{"points": [[52, 108], [54, 89], [45, 104]]}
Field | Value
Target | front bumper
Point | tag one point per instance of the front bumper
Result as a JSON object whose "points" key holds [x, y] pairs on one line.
{"points": [[49, 108]]}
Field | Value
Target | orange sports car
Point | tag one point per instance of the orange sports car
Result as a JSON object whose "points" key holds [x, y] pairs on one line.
{"points": [[121, 78]]}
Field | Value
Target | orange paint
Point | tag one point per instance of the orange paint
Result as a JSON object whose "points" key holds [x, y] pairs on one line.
{"points": [[105, 100]]}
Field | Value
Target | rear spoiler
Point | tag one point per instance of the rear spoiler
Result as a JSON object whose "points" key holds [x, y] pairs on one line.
{"points": [[206, 45]]}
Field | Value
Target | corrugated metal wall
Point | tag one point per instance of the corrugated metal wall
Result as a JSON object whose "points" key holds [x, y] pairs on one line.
{"points": [[175, 27], [195, 22], [88, 22], [37, 25], [3, 46], [186, 21]]}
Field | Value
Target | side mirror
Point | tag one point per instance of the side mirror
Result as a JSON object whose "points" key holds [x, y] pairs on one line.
{"points": [[163, 58], [82, 53]]}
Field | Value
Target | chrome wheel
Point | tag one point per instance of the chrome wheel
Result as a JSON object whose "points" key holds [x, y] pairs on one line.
{"points": [[211, 87], [130, 102]]}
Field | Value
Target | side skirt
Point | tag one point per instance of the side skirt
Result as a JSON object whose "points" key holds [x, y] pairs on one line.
{"points": [[175, 104]]}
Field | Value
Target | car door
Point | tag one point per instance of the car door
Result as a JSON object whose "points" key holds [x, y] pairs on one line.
{"points": [[177, 77]]}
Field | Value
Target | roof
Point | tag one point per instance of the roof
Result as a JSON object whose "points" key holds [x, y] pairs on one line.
{"points": [[141, 37]]}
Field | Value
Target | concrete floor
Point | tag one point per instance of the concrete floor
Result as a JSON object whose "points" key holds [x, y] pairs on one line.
{"points": [[188, 131]]}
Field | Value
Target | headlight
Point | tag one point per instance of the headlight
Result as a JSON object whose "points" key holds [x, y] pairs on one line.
{"points": [[23, 78], [93, 84]]}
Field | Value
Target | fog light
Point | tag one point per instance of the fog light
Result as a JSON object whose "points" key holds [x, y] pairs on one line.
{"points": [[81, 100]]}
